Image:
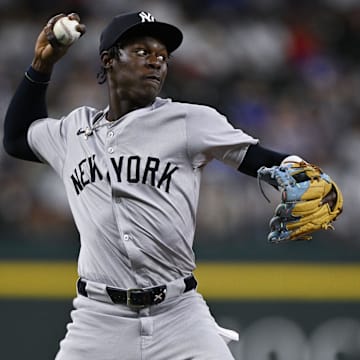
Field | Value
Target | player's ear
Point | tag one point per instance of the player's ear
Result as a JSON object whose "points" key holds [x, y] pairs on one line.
{"points": [[106, 60]]}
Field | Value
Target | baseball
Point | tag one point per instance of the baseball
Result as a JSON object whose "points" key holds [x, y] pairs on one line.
{"points": [[65, 31]]}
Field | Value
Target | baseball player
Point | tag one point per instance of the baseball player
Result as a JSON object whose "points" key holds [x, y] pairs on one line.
{"points": [[132, 174]]}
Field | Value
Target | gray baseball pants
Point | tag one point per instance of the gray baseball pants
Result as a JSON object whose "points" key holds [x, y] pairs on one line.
{"points": [[181, 328]]}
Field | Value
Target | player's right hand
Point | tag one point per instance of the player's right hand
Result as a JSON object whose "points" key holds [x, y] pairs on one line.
{"points": [[47, 51]]}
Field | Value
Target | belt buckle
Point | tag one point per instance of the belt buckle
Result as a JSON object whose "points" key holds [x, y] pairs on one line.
{"points": [[129, 299]]}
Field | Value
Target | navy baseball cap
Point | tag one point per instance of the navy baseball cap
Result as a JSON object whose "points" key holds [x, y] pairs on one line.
{"points": [[139, 24]]}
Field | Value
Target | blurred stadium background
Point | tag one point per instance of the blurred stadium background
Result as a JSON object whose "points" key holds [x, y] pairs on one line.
{"points": [[286, 72]]}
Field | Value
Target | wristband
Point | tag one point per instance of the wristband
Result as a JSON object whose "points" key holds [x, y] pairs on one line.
{"points": [[292, 159], [36, 77]]}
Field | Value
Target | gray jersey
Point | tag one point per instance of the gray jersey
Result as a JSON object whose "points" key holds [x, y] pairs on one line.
{"points": [[133, 184]]}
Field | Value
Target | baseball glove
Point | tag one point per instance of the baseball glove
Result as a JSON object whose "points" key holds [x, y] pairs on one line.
{"points": [[310, 200]]}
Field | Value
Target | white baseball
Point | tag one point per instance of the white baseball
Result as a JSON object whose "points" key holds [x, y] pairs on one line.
{"points": [[65, 31]]}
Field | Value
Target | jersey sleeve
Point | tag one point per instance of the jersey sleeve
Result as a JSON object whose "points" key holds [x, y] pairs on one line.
{"points": [[47, 139], [210, 135]]}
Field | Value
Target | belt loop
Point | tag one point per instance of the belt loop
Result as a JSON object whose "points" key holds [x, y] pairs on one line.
{"points": [[97, 291]]}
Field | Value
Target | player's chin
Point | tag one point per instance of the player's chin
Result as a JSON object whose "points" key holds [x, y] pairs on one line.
{"points": [[150, 92], [152, 85]]}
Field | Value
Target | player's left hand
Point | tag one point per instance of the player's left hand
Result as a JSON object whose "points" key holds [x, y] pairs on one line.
{"points": [[310, 200]]}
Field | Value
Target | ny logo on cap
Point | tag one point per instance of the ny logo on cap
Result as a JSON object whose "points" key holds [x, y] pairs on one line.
{"points": [[146, 16]]}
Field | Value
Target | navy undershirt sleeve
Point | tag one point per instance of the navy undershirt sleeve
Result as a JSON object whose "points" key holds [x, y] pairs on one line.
{"points": [[257, 156], [27, 105]]}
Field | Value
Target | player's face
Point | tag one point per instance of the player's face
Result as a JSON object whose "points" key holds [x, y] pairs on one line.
{"points": [[141, 69]]}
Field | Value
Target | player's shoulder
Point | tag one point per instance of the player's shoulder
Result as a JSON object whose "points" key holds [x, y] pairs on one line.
{"points": [[197, 110], [83, 112], [83, 116]]}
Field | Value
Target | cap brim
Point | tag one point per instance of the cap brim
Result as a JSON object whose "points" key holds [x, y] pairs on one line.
{"points": [[168, 34]]}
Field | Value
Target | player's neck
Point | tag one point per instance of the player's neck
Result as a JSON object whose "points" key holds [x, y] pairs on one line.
{"points": [[118, 108]]}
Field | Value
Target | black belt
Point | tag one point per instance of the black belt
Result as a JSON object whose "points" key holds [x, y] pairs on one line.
{"points": [[138, 298]]}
